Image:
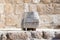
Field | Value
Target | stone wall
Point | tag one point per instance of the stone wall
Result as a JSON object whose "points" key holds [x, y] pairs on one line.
{"points": [[26, 35], [12, 12]]}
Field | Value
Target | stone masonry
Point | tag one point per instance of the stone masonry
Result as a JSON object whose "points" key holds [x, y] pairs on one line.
{"points": [[12, 12]]}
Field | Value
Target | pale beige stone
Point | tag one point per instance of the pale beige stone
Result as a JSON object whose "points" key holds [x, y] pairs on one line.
{"points": [[37, 34], [27, 1], [9, 1], [45, 8], [56, 19], [26, 7], [19, 9], [55, 1], [18, 1], [46, 1], [35, 1], [18, 35], [9, 8], [1, 8], [11, 20], [33, 7], [56, 8], [45, 19], [48, 34], [45, 26], [2, 19], [2, 1], [2, 25]]}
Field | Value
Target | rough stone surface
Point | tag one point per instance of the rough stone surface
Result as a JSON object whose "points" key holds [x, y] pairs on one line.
{"points": [[12, 12], [27, 1], [35, 1], [55, 1], [1, 8], [19, 9], [48, 35], [56, 8], [36, 34], [46, 1], [19, 1], [45, 8], [25, 35], [9, 8]]}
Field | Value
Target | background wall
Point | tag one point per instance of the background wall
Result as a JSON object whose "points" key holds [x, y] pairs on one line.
{"points": [[11, 12]]}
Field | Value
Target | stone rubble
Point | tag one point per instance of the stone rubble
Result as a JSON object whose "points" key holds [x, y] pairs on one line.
{"points": [[32, 35]]}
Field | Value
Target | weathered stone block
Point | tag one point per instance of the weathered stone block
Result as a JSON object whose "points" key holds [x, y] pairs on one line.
{"points": [[45, 8], [57, 35], [56, 19], [18, 36], [3, 37], [18, 1], [1, 8], [56, 8], [35, 1], [27, 1], [33, 7], [11, 20], [56, 22], [2, 25], [48, 34], [9, 1], [26, 7], [9, 8], [55, 1], [45, 19], [37, 34], [2, 1], [2, 18], [46, 1], [19, 8]]}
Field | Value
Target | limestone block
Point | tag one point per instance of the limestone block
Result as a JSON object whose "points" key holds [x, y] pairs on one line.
{"points": [[9, 8], [56, 22], [27, 1], [18, 35], [48, 34], [56, 8], [3, 37], [45, 8], [46, 1], [44, 26], [18, 1], [45, 19], [57, 35], [2, 25], [2, 19], [55, 1], [19, 9], [1, 8], [9, 1], [37, 34], [26, 7], [35, 1], [2, 1], [33, 7], [11, 20], [56, 19]]}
